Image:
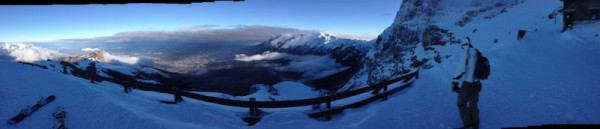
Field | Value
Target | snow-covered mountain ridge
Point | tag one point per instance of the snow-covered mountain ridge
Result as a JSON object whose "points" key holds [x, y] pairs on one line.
{"points": [[423, 35], [311, 43], [316, 39]]}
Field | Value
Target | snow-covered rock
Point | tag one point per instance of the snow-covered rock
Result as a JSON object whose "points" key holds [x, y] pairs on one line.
{"points": [[102, 56], [423, 35]]}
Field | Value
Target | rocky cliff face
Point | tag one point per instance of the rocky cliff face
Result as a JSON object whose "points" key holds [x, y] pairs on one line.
{"points": [[419, 28]]}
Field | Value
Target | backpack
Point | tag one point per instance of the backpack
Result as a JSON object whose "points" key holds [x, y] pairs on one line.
{"points": [[482, 67]]}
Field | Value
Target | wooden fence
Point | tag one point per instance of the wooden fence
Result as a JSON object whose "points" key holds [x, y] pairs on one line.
{"points": [[253, 105]]}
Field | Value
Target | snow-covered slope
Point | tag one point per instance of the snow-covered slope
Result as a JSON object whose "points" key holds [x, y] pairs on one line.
{"points": [[548, 77], [286, 90], [105, 106], [422, 36], [100, 106]]}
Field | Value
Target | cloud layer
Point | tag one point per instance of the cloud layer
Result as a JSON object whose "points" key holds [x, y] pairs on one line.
{"points": [[242, 34], [312, 66], [29, 53], [87, 49], [265, 56], [121, 58]]}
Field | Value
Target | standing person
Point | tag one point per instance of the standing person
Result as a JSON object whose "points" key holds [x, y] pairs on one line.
{"points": [[568, 21], [472, 68]]}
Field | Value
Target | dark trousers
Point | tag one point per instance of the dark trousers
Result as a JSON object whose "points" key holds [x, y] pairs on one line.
{"points": [[469, 94]]}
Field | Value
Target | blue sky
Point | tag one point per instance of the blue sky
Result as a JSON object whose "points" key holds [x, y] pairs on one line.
{"points": [[46, 23]]}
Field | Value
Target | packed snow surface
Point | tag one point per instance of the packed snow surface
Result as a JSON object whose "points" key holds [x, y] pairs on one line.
{"points": [[546, 78]]}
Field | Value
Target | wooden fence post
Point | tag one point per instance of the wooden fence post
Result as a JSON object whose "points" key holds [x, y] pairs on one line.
{"points": [[253, 117], [385, 87], [328, 105], [253, 110], [418, 73], [176, 95]]}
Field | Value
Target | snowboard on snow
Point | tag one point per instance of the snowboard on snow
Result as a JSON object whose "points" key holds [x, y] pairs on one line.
{"points": [[29, 110], [60, 114]]}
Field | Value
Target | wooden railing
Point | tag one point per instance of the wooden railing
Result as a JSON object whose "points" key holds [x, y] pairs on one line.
{"points": [[267, 104], [35, 65], [330, 112], [253, 105]]}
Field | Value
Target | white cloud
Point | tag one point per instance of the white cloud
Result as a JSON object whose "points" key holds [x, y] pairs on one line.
{"points": [[29, 53], [312, 66], [121, 58], [90, 49], [265, 56], [208, 34]]}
